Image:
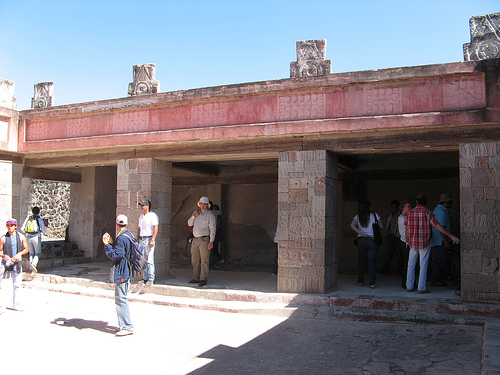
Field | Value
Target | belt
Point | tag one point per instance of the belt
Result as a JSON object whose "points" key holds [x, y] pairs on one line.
{"points": [[202, 237], [142, 237]]}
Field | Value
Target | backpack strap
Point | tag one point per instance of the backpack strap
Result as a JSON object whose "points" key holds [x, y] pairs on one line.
{"points": [[129, 262]]}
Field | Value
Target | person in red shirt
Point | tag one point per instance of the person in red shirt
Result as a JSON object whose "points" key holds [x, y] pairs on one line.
{"points": [[418, 237]]}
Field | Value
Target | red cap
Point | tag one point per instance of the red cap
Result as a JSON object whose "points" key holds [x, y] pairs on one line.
{"points": [[420, 196]]}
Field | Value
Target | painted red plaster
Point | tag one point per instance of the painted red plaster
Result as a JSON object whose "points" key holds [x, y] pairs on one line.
{"points": [[362, 101]]}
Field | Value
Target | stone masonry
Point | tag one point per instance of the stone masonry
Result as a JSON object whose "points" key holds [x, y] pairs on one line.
{"points": [[485, 38], [147, 178], [144, 80], [53, 199], [307, 202], [7, 99], [311, 59], [44, 95], [480, 221]]}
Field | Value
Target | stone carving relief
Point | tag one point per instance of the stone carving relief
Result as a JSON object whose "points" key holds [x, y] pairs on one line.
{"points": [[311, 61], [485, 38], [7, 99], [44, 95], [144, 80]]}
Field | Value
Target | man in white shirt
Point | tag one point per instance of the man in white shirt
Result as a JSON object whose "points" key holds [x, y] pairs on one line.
{"points": [[148, 230], [204, 228]]}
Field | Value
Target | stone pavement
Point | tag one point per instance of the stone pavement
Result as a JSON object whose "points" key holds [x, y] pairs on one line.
{"points": [[64, 334], [253, 291]]}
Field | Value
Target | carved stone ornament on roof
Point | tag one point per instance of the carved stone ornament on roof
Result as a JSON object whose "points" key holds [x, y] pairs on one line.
{"points": [[7, 99], [311, 55], [485, 38], [44, 95], [144, 80]]}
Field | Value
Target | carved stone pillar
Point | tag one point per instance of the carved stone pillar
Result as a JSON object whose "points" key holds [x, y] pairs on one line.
{"points": [[144, 80], [151, 179], [480, 221], [485, 38], [311, 61], [307, 222], [44, 95]]}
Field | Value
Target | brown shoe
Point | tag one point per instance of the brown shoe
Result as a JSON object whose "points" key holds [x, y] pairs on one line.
{"points": [[410, 290], [424, 291], [202, 283], [194, 281]]}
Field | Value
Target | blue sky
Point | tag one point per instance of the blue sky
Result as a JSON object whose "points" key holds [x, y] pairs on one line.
{"points": [[87, 48]]}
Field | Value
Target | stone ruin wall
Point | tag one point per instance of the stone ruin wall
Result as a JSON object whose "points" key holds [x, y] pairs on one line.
{"points": [[53, 198]]}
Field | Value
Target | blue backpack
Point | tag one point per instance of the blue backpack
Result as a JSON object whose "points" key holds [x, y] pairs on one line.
{"points": [[138, 255]]}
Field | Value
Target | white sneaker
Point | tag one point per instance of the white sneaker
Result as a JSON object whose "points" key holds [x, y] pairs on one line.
{"points": [[124, 332], [33, 269]]}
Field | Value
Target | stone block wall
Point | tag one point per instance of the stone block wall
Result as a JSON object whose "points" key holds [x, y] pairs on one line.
{"points": [[53, 199], [480, 221], [146, 178], [307, 214]]}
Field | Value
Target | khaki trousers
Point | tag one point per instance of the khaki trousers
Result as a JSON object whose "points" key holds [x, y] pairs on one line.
{"points": [[200, 257]]}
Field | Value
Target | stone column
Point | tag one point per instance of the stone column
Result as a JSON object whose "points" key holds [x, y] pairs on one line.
{"points": [[139, 179], [307, 222], [82, 213], [480, 221]]}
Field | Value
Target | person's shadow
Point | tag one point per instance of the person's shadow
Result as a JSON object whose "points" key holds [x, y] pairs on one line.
{"points": [[86, 324]]}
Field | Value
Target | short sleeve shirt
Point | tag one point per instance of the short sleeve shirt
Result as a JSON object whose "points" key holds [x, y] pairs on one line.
{"points": [[147, 223], [369, 229], [419, 221]]}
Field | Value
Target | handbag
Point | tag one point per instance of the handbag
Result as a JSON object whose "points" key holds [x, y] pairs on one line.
{"points": [[377, 237]]}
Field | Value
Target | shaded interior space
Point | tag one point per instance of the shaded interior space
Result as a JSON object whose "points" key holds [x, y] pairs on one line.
{"points": [[246, 191]]}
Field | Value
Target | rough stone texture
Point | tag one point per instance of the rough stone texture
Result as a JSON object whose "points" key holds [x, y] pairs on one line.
{"points": [[144, 80], [311, 61], [307, 182], [485, 38], [53, 199], [7, 99], [480, 221], [146, 178], [44, 95]]}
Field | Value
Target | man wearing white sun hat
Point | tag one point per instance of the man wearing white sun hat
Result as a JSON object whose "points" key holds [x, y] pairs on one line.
{"points": [[204, 228]]}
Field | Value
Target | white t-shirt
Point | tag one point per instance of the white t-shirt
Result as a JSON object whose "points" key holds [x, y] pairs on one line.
{"points": [[146, 223], [402, 228], [368, 230]]}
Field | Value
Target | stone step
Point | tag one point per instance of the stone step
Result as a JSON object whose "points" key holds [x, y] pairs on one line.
{"points": [[60, 249], [58, 253]]}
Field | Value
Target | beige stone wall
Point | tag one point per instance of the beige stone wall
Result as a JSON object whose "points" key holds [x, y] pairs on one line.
{"points": [[480, 226]]}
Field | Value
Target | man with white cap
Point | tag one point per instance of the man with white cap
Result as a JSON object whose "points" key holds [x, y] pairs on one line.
{"points": [[120, 254], [204, 229], [13, 246]]}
